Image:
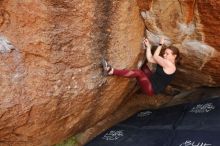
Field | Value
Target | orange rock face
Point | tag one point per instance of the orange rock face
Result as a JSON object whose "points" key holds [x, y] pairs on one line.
{"points": [[192, 26], [51, 80]]}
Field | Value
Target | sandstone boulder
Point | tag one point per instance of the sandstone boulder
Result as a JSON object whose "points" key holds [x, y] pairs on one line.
{"points": [[51, 81]]}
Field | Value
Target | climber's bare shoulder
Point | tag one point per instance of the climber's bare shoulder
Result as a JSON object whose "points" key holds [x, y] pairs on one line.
{"points": [[169, 67]]}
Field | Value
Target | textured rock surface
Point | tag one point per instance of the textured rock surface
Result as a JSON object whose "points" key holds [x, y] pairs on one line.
{"points": [[193, 27], [51, 82]]}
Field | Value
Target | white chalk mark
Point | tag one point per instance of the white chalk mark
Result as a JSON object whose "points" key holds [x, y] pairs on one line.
{"points": [[186, 29], [200, 50], [150, 21], [5, 45], [155, 39], [198, 47], [144, 14], [147, 15]]}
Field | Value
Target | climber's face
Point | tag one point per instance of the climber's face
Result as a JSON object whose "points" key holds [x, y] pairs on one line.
{"points": [[168, 54]]}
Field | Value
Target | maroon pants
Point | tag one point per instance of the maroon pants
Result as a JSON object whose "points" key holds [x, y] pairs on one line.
{"points": [[142, 75]]}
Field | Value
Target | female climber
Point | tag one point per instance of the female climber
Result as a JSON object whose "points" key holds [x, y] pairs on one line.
{"points": [[151, 83]]}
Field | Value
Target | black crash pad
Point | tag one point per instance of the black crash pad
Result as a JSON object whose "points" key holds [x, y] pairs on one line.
{"points": [[204, 116], [152, 137], [164, 118], [112, 137], [196, 138], [138, 120], [128, 136], [195, 124]]}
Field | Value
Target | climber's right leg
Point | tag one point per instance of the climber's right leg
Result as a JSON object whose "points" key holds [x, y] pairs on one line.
{"points": [[141, 77]]}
